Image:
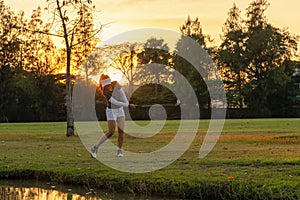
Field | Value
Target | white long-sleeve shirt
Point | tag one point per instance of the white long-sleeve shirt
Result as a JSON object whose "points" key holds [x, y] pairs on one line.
{"points": [[115, 98], [123, 103]]}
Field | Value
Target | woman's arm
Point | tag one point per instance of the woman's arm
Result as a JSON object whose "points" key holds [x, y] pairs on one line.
{"points": [[123, 96], [118, 103], [123, 99]]}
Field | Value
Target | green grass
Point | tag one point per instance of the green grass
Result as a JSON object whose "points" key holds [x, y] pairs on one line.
{"points": [[253, 159]]}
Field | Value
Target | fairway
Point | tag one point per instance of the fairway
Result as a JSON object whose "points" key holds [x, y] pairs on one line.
{"points": [[253, 159]]}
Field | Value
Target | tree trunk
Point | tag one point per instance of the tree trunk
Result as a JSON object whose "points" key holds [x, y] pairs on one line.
{"points": [[70, 120], [131, 77], [240, 91], [157, 81]]}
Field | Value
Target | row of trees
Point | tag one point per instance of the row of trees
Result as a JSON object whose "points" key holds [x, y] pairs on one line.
{"points": [[33, 84], [29, 83], [255, 60]]}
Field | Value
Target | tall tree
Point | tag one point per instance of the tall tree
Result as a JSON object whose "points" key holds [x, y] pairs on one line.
{"points": [[193, 29], [93, 65], [124, 58], [40, 61], [87, 40], [267, 49], [155, 59], [69, 24], [9, 59], [230, 56]]}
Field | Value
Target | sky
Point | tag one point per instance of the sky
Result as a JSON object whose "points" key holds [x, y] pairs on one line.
{"points": [[125, 15]]}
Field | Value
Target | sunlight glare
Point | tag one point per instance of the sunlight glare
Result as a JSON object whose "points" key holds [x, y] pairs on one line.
{"points": [[114, 75]]}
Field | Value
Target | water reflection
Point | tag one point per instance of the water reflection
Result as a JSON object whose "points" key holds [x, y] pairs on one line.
{"points": [[35, 190], [31, 193]]}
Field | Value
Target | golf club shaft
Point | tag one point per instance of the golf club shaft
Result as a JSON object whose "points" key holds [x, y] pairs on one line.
{"points": [[167, 105]]}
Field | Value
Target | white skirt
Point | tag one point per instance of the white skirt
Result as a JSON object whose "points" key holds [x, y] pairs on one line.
{"points": [[114, 113]]}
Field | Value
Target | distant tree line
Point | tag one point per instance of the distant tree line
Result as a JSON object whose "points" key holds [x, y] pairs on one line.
{"points": [[256, 61], [34, 73], [31, 89]]}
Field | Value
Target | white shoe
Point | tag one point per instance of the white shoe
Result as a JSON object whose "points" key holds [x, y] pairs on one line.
{"points": [[119, 153], [94, 151]]}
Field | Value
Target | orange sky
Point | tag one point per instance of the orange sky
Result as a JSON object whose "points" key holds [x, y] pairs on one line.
{"points": [[125, 15]]}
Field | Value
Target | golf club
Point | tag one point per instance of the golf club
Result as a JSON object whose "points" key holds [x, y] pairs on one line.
{"points": [[169, 104]]}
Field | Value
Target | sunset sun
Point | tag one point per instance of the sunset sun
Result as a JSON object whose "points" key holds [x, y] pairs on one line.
{"points": [[114, 75]]}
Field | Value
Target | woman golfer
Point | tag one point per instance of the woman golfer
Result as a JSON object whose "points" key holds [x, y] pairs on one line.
{"points": [[115, 101]]}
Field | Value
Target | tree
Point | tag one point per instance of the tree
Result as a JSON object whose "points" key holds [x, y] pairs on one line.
{"points": [[40, 60], [284, 101], [155, 59], [9, 60], [83, 53], [61, 9], [193, 29], [230, 57], [267, 50], [124, 58], [93, 65], [256, 60]]}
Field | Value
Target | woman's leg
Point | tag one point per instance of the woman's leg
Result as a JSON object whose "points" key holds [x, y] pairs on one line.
{"points": [[111, 129], [121, 124]]}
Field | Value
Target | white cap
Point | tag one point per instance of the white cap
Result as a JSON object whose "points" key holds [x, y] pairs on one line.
{"points": [[105, 82]]}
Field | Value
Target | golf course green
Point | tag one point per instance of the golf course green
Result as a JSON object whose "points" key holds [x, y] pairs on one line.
{"points": [[253, 159]]}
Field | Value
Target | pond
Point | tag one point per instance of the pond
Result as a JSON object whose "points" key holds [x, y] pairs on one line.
{"points": [[34, 190]]}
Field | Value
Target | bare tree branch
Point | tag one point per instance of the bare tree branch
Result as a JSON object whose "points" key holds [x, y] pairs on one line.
{"points": [[95, 33]]}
